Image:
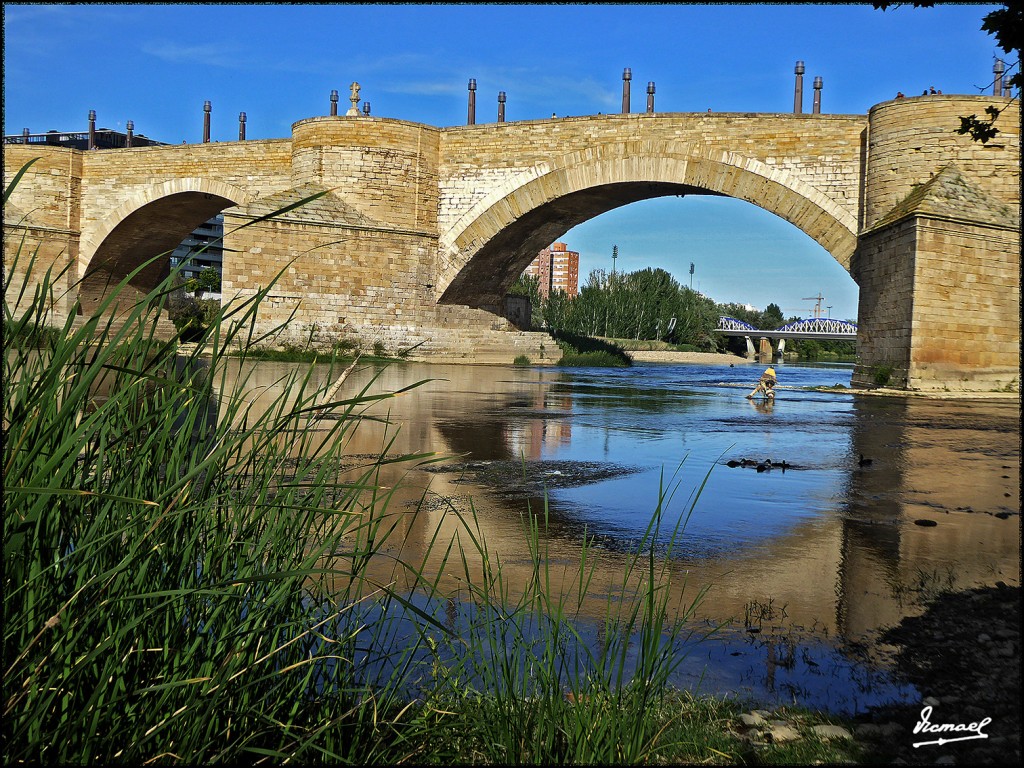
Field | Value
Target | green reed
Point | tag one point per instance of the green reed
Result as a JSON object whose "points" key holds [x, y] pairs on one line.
{"points": [[530, 687], [170, 586]]}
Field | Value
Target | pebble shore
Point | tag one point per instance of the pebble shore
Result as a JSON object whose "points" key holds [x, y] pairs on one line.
{"points": [[963, 656]]}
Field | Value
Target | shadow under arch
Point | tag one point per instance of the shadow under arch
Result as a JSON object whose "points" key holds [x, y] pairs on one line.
{"points": [[492, 244], [151, 223]]}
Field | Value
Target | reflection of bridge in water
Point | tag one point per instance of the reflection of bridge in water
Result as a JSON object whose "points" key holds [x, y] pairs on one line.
{"points": [[811, 328], [847, 571]]}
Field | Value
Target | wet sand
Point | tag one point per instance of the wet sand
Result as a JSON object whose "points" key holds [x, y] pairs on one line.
{"points": [[704, 358]]}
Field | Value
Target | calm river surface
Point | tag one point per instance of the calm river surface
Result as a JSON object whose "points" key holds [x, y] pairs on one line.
{"points": [[805, 566]]}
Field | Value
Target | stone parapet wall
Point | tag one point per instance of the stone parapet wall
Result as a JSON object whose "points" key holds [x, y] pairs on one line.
{"points": [[49, 194]]}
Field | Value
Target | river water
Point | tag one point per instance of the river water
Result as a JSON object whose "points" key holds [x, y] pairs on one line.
{"points": [[804, 565]]}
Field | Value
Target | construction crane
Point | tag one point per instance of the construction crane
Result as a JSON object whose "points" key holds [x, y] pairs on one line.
{"points": [[817, 307]]}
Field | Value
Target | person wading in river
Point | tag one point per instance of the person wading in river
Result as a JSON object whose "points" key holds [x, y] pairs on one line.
{"points": [[766, 385]]}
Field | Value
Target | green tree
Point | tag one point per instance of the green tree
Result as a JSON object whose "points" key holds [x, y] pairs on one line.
{"points": [[529, 286], [740, 312], [767, 320], [635, 305], [772, 318], [208, 280]]}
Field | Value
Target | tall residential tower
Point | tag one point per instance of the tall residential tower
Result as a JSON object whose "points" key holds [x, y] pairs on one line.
{"points": [[558, 269]]}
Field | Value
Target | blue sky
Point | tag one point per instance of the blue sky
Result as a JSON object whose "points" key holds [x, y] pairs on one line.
{"points": [[157, 64]]}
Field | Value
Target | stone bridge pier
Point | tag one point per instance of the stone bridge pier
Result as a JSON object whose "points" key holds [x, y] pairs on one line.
{"points": [[412, 234], [938, 253]]}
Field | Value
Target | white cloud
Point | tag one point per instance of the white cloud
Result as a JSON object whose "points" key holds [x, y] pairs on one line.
{"points": [[219, 53]]}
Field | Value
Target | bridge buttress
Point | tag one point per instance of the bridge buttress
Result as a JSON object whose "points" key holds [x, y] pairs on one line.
{"points": [[939, 264]]}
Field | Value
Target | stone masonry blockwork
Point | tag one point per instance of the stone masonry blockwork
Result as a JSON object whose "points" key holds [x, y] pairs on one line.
{"points": [[418, 231]]}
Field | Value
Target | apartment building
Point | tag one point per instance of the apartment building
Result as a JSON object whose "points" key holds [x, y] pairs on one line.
{"points": [[202, 249], [558, 269]]}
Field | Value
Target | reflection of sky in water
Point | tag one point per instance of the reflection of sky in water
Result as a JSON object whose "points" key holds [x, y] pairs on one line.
{"points": [[834, 544], [694, 419], [778, 671], [770, 669]]}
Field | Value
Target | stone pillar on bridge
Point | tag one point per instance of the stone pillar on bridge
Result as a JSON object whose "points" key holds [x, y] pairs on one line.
{"points": [[471, 116], [353, 111], [501, 106], [816, 106], [650, 97], [627, 75], [207, 108]]}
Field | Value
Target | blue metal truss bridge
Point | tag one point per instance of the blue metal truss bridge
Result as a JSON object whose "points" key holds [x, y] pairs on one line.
{"points": [[811, 328]]}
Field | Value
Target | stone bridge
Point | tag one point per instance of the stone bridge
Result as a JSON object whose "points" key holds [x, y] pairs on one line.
{"points": [[420, 230]]}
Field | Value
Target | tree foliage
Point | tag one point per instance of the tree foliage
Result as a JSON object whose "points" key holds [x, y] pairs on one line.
{"points": [[208, 281], [648, 304], [767, 320], [529, 286]]}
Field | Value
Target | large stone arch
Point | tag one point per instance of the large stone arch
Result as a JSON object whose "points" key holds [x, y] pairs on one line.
{"points": [[491, 244], [152, 221]]}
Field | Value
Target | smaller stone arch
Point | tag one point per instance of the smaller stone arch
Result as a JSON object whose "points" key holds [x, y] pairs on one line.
{"points": [[94, 233], [150, 222]]}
